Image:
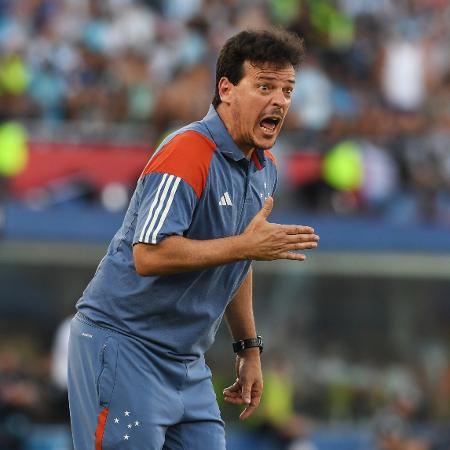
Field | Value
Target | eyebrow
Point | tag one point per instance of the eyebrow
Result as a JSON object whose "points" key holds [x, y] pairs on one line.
{"points": [[271, 78]]}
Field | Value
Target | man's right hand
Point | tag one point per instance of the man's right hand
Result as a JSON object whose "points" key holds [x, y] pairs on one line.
{"points": [[269, 241]]}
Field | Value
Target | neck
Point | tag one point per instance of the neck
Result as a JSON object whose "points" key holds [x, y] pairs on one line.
{"points": [[227, 118]]}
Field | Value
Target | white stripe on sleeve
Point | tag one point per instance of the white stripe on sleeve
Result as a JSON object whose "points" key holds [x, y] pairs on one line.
{"points": [[166, 210], [152, 207], [158, 209]]}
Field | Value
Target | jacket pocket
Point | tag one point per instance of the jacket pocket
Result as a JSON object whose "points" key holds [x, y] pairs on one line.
{"points": [[106, 380]]}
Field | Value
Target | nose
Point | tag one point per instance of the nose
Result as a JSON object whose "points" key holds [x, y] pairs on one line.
{"points": [[280, 99]]}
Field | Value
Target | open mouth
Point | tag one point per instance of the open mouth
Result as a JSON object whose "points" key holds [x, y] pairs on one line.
{"points": [[269, 124]]}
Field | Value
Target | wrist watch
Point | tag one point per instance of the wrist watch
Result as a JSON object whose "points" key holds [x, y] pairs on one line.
{"points": [[238, 346]]}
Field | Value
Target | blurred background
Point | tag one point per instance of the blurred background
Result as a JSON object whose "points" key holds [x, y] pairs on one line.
{"points": [[357, 338]]}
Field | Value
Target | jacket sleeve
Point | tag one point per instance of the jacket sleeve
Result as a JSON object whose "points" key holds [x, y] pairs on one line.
{"points": [[171, 185], [166, 207]]}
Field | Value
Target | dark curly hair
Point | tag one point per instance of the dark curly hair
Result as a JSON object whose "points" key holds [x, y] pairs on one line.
{"points": [[276, 46]]}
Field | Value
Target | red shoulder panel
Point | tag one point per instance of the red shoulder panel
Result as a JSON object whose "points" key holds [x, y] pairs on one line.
{"points": [[268, 154], [188, 156]]}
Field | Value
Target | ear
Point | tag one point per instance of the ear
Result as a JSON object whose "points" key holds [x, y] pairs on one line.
{"points": [[225, 88]]}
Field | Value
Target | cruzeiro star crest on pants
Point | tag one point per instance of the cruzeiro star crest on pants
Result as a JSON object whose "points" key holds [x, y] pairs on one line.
{"points": [[127, 424]]}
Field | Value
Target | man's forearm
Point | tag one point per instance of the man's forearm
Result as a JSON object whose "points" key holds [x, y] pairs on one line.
{"points": [[179, 254], [239, 312]]}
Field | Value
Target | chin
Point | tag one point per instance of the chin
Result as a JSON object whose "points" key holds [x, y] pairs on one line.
{"points": [[265, 143]]}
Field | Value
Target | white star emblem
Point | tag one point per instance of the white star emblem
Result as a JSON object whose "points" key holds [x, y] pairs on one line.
{"points": [[116, 420], [126, 437], [127, 413], [136, 424], [130, 425]]}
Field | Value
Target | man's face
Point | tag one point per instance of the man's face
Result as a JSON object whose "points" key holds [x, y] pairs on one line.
{"points": [[259, 103]]}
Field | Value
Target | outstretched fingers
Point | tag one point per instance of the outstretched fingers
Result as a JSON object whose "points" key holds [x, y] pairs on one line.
{"points": [[293, 256], [302, 237], [297, 229], [302, 245], [293, 247]]}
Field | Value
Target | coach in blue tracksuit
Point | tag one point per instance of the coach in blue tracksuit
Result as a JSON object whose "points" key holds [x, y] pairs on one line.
{"points": [[181, 261]]}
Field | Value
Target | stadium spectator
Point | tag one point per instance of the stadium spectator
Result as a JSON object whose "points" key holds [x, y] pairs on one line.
{"points": [[393, 427]]}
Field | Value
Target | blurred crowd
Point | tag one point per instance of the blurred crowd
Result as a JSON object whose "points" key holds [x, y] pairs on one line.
{"points": [[301, 394], [372, 102], [388, 400], [369, 128], [29, 396]]}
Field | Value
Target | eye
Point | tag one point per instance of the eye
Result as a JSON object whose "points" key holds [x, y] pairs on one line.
{"points": [[288, 92], [263, 87]]}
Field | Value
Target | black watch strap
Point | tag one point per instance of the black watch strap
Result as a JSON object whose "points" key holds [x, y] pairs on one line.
{"points": [[238, 346]]}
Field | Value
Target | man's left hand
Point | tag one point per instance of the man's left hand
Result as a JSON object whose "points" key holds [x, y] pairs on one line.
{"points": [[248, 387]]}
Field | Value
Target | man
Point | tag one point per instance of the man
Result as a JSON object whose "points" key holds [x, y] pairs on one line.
{"points": [[181, 261]]}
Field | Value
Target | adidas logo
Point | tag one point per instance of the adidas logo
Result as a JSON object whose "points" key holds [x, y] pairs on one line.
{"points": [[225, 200]]}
